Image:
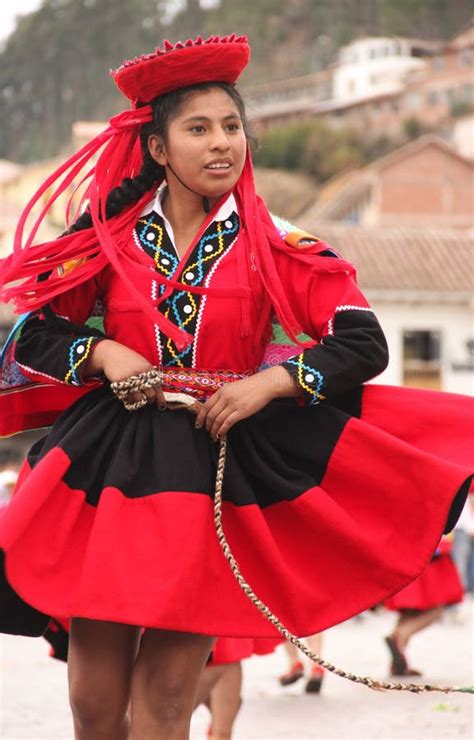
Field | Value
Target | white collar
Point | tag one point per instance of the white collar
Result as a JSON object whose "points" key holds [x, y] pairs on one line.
{"points": [[228, 207]]}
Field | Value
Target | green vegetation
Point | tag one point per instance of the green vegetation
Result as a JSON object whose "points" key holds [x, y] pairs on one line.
{"points": [[53, 69], [315, 148]]}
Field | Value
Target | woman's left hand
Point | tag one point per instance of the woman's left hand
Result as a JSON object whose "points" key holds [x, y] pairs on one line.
{"points": [[242, 398]]}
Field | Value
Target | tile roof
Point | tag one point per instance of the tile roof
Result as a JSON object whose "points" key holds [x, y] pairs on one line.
{"points": [[405, 260]]}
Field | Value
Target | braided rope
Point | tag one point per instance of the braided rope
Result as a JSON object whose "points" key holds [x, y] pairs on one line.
{"points": [[152, 378], [136, 384], [246, 588]]}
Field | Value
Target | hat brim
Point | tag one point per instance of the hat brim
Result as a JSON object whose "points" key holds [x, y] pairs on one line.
{"points": [[156, 75]]}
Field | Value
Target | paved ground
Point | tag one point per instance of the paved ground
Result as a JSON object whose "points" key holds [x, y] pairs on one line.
{"points": [[33, 701]]}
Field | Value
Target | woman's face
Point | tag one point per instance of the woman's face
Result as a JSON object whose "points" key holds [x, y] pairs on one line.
{"points": [[205, 144]]}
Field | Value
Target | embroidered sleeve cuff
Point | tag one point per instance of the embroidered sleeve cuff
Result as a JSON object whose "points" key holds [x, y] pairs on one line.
{"points": [[79, 351], [310, 381]]}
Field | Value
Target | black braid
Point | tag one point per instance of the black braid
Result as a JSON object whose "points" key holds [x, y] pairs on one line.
{"points": [[129, 191]]}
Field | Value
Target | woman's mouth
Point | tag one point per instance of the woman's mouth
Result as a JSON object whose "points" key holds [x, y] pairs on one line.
{"points": [[218, 167]]}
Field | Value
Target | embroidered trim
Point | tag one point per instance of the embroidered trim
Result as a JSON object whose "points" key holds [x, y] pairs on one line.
{"points": [[348, 307], [310, 380], [340, 309], [204, 299], [154, 291], [154, 240], [32, 371], [183, 307], [79, 351]]}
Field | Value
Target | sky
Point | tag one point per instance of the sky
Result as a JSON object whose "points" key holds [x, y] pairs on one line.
{"points": [[9, 9]]}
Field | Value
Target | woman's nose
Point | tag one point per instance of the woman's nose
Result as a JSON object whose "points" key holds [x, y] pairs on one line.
{"points": [[219, 140]]}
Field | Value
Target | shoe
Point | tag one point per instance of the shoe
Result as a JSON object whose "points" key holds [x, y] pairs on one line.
{"points": [[315, 681], [399, 662], [294, 674], [406, 671]]}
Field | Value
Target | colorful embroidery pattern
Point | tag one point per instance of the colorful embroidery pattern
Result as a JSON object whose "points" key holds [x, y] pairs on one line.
{"points": [[79, 351], [310, 380], [154, 240], [182, 307], [199, 383]]}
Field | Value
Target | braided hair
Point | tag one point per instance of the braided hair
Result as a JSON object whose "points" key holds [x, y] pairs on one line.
{"points": [[165, 108]]}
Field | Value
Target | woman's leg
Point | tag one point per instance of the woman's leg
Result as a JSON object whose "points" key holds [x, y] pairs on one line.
{"points": [[315, 643], [100, 660], [226, 701], [314, 683], [164, 683], [409, 625], [295, 666], [207, 680]]}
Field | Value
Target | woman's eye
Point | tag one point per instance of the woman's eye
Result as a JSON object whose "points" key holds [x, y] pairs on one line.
{"points": [[233, 127], [198, 129]]}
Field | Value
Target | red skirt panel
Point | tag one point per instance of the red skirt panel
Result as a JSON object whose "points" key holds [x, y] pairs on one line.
{"points": [[438, 585], [235, 649]]}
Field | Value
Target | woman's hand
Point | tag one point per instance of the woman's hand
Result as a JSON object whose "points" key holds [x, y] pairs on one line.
{"points": [[118, 362], [242, 398]]}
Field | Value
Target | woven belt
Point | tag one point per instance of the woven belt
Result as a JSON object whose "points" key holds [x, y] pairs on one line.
{"points": [[200, 384]]}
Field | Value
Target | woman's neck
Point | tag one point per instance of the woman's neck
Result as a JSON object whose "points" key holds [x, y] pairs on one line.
{"points": [[186, 214], [184, 210]]}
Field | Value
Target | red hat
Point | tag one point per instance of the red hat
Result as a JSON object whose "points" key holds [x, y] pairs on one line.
{"points": [[214, 60]]}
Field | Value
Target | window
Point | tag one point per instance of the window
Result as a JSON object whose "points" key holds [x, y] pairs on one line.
{"points": [[422, 359]]}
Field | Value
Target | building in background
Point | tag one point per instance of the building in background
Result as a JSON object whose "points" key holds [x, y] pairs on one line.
{"points": [[420, 284], [425, 183], [378, 66], [377, 85]]}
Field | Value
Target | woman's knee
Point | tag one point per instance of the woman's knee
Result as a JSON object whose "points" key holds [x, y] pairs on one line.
{"points": [[100, 664], [166, 674], [92, 708], [167, 691]]}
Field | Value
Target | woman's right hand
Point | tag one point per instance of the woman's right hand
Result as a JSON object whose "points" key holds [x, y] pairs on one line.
{"points": [[118, 362]]}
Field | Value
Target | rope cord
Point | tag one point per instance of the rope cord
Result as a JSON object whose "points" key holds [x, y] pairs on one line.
{"points": [[138, 383], [263, 608]]}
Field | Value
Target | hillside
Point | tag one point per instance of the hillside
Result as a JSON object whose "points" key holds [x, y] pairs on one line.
{"points": [[53, 68]]}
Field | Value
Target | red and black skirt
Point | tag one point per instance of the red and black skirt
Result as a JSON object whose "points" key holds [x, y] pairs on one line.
{"points": [[329, 509], [438, 585]]}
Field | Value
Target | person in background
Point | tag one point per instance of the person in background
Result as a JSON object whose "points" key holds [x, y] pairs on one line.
{"points": [[296, 668], [421, 604], [463, 544]]}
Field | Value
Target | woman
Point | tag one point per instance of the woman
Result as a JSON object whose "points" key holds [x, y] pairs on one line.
{"points": [[111, 524], [421, 604]]}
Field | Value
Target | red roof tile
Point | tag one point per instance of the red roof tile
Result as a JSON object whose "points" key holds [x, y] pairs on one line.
{"points": [[403, 259]]}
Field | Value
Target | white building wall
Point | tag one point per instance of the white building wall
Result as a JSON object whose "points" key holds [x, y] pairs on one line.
{"points": [[373, 66], [463, 136], [455, 323]]}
